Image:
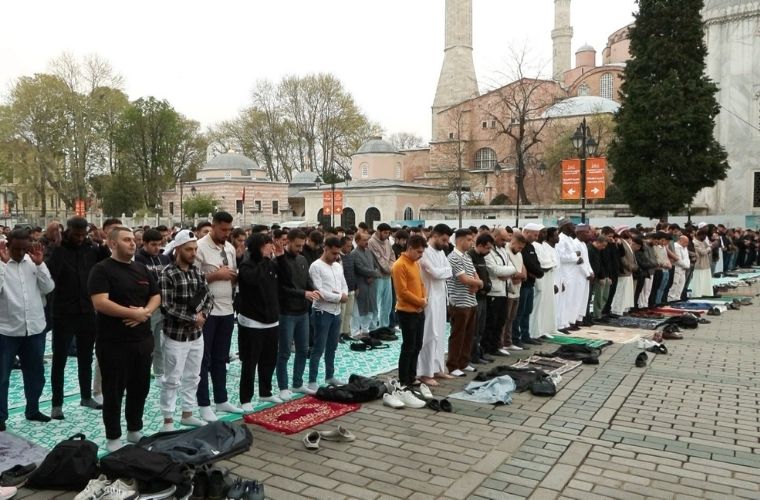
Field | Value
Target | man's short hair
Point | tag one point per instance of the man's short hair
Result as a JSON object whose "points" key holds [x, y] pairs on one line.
{"points": [[296, 234], [316, 237], [202, 224], [484, 239], [416, 241], [519, 238], [441, 229], [332, 242], [363, 225], [111, 222], [114, 234], [21, 233], [259, 228], [509, 230], [77, 223], [383, 227], [462, 233], [222, 217], [237, 232], [401, 235], [162, 228], [152, 235], [344, 240], [278, 233], [602, 239]]}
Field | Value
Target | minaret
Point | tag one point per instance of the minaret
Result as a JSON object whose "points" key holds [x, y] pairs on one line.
{"points": [[457, 81], [562, 37]]}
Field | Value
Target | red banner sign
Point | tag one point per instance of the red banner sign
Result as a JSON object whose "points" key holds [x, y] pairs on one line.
{"points": [[596, 179], [79, 208], [327, 202]]}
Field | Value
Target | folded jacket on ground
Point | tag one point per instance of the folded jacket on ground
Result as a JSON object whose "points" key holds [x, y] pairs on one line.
{"points": [[498, 390]]}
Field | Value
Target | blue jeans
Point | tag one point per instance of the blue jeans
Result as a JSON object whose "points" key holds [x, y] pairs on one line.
{"points": [[384, 291], [217, 337], [521, 324], [30, 350], [663, 286], [292, 328], [326, 334]]}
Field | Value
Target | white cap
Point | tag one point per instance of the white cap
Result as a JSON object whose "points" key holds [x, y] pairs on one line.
{"points": [[533, 227], [701, 225], [184, 236]]}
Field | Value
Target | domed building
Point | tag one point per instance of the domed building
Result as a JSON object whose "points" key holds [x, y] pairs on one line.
{"points": [[239, 185]]}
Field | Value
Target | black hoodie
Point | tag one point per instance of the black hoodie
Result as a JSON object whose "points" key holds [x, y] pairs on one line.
{"points": [[259, 289]]}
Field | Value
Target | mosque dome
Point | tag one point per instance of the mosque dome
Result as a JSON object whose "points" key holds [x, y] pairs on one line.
{"points": [[231, 161], [581, 106], [377, 145], [586, 48]]}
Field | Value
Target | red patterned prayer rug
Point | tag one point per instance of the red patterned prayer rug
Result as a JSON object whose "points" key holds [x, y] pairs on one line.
{"points": [[299, 414]]}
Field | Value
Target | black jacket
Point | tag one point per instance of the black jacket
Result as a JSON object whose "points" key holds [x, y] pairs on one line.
{"points": [[154, 264], [259, 287], [479, 261], [596, 261], [532, 265], [293, 283], [70, 268]]}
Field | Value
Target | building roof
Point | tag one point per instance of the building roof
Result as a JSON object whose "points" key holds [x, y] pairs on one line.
{"points": [[377, 145], [724, 4], [586, 48], [581, 106], [377, 184], [231, 161], [305, 177]]}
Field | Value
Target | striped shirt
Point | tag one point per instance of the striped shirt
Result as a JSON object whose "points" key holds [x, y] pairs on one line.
{"points": [[459, 294]]}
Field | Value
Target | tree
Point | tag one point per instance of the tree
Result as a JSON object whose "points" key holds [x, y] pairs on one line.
{"points": [[120, 193], [200, 204], [405, 140], [665, 151]]}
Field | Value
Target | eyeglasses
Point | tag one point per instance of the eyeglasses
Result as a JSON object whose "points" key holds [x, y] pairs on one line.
{"points": [[225, 261]]}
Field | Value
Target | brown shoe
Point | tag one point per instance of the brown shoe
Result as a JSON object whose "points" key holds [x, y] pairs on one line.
{"points": [[672, 336]]}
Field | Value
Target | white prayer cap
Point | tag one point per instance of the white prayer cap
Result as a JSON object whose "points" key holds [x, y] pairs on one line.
{"points": [[621, 228], [533, 227], [701, 225]]}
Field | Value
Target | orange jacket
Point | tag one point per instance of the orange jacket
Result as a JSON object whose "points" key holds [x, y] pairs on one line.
{"points": [[407, 281]]}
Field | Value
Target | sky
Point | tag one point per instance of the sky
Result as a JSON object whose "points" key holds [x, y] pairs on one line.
{"points": [[205, 57]]}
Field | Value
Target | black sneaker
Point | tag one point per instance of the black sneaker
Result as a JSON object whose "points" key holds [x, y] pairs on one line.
{"points": [[38, 417], [237, 490], [91, 403], [2, 425], [200, 485], [216, 484], [16, 475]]}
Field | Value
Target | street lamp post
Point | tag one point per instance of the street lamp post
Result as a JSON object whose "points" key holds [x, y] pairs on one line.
{"points": [[333, 180], [586, 146]]}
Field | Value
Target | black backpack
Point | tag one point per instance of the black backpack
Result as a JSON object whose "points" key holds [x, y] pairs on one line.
{"points": [[69, 466], [153, 471], [685, 320], [202, 445]]}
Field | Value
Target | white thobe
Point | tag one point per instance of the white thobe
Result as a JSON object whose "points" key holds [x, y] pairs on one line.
{"points": [[436, 270], [622, 301], [542, 318], [568, 270], [680, 268]]}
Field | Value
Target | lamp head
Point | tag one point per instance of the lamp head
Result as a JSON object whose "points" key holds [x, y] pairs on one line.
{"points": [[591, 146], [577, 138]]}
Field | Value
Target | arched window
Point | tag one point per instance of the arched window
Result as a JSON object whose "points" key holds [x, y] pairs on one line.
{"points": [[584, 89], [408, 213], [365, 170], [371, 216], [398, 170], [323, 219], [485, 159], [606, 87], [348, 218]]}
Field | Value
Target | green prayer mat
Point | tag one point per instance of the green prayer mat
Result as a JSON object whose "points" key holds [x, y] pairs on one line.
{"points": [[564, 340]]}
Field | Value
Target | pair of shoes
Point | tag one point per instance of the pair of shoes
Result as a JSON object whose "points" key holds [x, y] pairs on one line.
{"points": [[657, 349], [38, 417], [340, 434], [641, 360], [228, 407], [401, 399], [90, 403], [17, 475], [442, 405], [305, 389], [102, 487], [192, 421], [209, 483], [515, 347], [7, 492]]}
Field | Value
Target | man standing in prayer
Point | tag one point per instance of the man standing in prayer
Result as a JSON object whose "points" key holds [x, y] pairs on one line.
{"points": [[500, 270], [572, 276], [543, 321], [381, 247], [411, 300], [483, 246], [622, 301], [436, 272], [463, 305], [186, 302], [680, 267], [521, 329], [368, 275]]}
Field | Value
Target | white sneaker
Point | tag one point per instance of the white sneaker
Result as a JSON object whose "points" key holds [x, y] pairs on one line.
{"points": [[285, 395], [304, 389], [271, 399], [504, 352], [313, 387], [113, 445], [457, 373], [121, 489], [470, 368], [192, 421], [10, 492], [94, 488], [134, 437], [167, 427], [335, 381], [228, 407], [409, 399], [208, 414], [393, 385], [516, 348], [247, 407], [393, 401], [426, 392]]}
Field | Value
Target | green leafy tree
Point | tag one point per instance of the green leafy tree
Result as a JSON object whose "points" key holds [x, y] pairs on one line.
{"points": [[200, 204], [665, 151], [120, 193]]}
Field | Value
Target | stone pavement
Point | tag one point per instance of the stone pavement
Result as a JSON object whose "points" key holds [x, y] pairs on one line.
{"points": [[686, 426]]}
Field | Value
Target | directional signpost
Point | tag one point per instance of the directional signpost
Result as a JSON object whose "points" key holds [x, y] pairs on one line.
{"points": [[596, 179]]}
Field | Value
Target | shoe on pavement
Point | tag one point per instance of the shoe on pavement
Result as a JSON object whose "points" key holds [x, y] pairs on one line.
{"points": [[313, 387], [38, 417], [247, 407], [335, 381], [192, 421], [94, 488], [311, 440], [208, 414], [216, 483], [160, 495], [340, 434], [304, 389], [271, 399], [503, 352], [409, 399], [641, 360], [426, 392], [89, 403], [254, 490], [285, 395], [7, 492], [457, 373], [469, 368], [17, 475], [237, 490], [121, 489], [516, 347], [228, 407], [392, 400], [113, 445], [56, 413], [134, 437]]}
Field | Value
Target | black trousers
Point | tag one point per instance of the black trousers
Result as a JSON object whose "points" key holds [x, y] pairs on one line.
{"points": [[637, 291], [476, 351], [258, 352], [65, 329], [412, 329], [613, 288], [124, 366], [496, 317], [656, 282]]}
